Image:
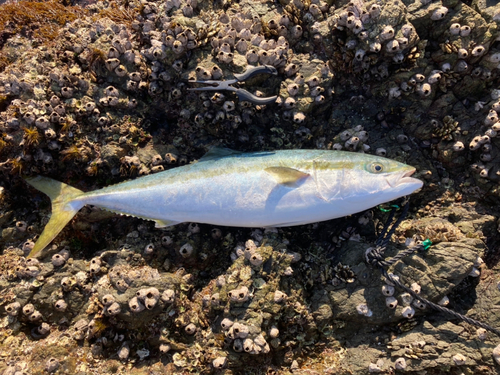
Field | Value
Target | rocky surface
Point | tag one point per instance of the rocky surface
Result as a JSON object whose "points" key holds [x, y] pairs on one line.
{"points": [[103, 96]]}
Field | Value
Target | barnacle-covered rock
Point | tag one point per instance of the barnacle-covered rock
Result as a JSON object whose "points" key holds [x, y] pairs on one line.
{"points": [[108, 100]]}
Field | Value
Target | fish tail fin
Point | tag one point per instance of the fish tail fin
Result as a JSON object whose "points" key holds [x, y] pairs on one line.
{"points": [[63, 210]]}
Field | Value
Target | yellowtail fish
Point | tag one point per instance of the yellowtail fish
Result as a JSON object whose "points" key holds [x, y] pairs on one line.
{"points": [[258, 189]]}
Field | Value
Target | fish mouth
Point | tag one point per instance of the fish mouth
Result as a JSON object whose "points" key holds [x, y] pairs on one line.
{"points": [[405, 179]]}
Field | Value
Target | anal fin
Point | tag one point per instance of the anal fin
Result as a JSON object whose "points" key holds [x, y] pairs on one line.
{"points": [[165, 223], [158, 222]]}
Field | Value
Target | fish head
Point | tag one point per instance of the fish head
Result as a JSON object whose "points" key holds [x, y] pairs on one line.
{"points": [[388, 178], [358, 181]]}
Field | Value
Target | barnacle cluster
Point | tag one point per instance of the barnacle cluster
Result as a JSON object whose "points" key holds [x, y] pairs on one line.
{"points": [[434, 229], [483, 144], [371, 42], [355, 139], [303, 91]]}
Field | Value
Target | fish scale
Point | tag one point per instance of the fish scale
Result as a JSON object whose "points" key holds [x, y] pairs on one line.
{"points": [[229, 188]]}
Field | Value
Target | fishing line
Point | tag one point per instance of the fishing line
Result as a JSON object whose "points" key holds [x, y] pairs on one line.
{"points": [[375, 257]]}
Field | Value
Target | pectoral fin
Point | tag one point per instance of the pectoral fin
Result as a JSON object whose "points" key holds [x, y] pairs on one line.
{"points": [[289, 177]]}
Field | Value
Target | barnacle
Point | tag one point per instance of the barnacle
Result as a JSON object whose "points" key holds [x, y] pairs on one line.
{"points": [[445, 130], [414, 350]]}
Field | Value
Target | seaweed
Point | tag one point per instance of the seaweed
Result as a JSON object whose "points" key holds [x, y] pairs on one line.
{"points": [[39, 20], [44, 18], [71, 153], [96, 60], [16, 166], [31, 136], [118, 14]]}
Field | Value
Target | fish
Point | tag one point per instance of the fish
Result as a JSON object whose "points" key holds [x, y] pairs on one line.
{"points": [[230, 188]]}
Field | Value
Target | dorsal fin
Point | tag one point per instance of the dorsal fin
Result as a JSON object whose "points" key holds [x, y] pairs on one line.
{"points": [[217, 153], [287, 176]]}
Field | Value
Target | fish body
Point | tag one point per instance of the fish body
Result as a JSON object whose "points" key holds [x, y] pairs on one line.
{"points": [[260, 189]]}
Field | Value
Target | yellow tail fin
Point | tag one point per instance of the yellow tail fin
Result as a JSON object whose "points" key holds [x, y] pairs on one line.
{"points": [[63, 210]]}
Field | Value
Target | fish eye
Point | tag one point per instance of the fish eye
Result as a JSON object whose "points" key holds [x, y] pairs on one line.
{"points": [[376, 168]]}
